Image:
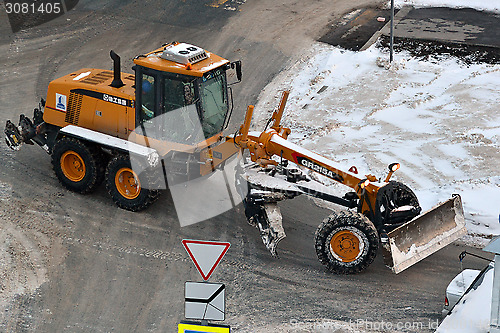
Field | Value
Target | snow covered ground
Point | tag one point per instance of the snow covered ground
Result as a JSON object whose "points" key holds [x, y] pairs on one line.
{"points": [[438, 118], [486, 5]]}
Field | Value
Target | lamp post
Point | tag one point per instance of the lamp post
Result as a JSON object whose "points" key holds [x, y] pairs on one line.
{"points": [[391, 58]]}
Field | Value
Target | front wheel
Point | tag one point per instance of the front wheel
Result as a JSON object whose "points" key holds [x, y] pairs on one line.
{"points": [[125, 187], [346, 242]]}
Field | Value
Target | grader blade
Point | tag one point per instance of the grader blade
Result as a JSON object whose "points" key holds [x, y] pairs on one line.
{"points": [[425, 234]]}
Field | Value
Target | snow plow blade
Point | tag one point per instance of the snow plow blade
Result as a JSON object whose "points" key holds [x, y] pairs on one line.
{"points": [[425, 235]]}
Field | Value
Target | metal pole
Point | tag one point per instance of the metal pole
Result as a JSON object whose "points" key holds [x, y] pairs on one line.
{"points": [[392, 32], [495, 298]]}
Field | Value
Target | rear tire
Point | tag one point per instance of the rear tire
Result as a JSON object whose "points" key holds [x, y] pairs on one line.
{"points": [[346, 242], [78, 166], [125, 186]]}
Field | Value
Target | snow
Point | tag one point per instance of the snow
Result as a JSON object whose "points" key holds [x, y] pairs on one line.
{"points": [[472, 313], [264, 180], [438, 118], [462, 281], [485, 5]]}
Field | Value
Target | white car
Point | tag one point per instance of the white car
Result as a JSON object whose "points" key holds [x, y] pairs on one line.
{"points": [[468, 279]]}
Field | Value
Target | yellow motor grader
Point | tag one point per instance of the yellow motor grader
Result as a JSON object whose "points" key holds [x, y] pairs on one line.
{"points": [[168, 119]]}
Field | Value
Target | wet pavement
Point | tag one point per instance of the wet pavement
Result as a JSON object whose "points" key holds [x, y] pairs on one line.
{"points": [[462, 26], [465, 33]]}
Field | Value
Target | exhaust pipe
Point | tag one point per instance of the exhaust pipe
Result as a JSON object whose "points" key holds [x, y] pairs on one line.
{"points": [[117, 81]]}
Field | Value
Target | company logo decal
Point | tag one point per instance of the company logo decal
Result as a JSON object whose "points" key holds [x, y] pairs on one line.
{"points": [[114, 99], [61, 102], [104, 97], [318, 168]]}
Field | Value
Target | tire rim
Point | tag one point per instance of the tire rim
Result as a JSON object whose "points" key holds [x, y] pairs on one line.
{"points": [[127, 183], [346, 245], [72, 166]]}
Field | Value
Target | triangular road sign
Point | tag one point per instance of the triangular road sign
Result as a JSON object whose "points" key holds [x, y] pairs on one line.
{"points": [[205, 255]]}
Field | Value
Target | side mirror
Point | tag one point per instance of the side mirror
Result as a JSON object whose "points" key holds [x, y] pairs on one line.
{"points": [[238, 70], [236, 65]]}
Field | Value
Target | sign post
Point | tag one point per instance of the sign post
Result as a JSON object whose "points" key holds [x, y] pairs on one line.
{"points": [[391, 57], [204, 300]]}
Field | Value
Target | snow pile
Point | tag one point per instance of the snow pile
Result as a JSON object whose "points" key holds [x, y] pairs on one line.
{"points": [[472, 313], [438, 118], [486, 5]]}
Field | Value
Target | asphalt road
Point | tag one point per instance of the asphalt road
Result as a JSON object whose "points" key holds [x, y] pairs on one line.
{"points": [[462, 26], [73, 263]]}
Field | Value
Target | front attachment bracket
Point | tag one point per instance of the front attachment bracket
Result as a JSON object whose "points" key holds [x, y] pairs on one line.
{"points": [[262, 211]]}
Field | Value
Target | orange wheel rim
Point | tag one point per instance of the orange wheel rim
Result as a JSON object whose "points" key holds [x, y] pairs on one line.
{"points": [[345, 245], [72, 166], [127, 183]]}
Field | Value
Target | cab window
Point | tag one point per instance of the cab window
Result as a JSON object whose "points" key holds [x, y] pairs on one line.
{"points": [[177, 94], [148, 98], [180, 121]]}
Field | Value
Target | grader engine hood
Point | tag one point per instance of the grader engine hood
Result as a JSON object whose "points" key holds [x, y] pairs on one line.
{"points": [[86, 98]]}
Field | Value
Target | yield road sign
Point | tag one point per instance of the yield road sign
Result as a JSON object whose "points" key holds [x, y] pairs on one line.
{"points": [[204, 301], [205, 255]]}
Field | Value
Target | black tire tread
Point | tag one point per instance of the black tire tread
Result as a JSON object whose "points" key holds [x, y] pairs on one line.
{"points": [[405, 196], [90, 153], [145, 198], [339, 219], [102, 161]]}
